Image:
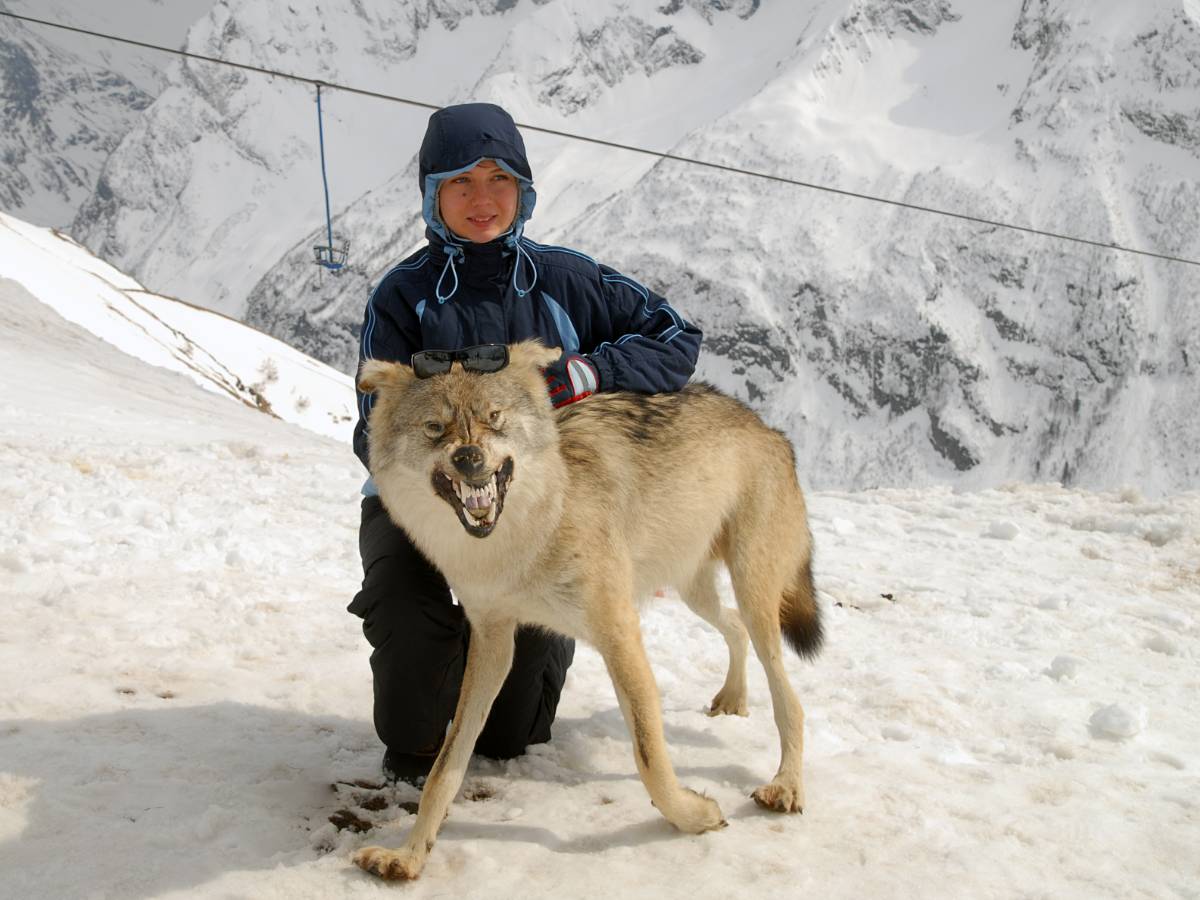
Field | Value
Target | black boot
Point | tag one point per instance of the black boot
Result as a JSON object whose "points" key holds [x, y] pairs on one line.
{"points": [[411, 768]]}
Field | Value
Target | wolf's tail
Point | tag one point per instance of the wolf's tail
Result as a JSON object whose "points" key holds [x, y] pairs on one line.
{"points": [[800, 616]]}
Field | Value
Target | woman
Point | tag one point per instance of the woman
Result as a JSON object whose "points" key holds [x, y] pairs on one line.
{"points": [[479, 280]]}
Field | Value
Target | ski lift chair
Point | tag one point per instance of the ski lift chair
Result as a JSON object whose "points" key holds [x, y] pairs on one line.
{"points": [[330, 256]]}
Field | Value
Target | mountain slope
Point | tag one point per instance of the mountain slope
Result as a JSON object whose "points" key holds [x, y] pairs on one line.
{"points": [[219, 354], [897, 347], [62, 118]]}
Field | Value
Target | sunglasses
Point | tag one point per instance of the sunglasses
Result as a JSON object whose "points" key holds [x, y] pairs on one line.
{"points": [[482, 358]]}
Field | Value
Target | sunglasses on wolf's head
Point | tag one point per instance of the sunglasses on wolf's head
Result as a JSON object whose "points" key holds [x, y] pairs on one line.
{"points": [[483, 358]]}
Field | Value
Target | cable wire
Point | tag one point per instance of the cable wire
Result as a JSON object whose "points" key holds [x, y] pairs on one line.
{"points": [[615, 145]]}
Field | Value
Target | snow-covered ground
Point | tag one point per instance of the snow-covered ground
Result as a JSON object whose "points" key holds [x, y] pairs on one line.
{"points": [[1006, 705]]}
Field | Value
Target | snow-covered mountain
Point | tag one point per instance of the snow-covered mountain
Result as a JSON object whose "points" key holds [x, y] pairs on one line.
{"points": [[61, 121], [67, 99], [896, 346], [893, 346]]}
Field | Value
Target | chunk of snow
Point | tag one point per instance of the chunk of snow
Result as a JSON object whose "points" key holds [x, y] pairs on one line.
{"points": [[1003, 530], [1062, 667], [1130, 494], [896, 732], [1160, 643], [1057, 600], [1116, 723]]}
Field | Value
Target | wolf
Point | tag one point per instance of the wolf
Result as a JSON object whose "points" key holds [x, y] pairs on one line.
{"points": [[565, 519]]}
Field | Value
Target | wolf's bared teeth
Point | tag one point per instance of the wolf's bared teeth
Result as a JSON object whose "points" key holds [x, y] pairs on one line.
{"points": [[478, 505], [475, 499]]}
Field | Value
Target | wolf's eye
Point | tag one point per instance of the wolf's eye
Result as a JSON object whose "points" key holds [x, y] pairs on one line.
{"points": [[434, 429], [496, 418]]}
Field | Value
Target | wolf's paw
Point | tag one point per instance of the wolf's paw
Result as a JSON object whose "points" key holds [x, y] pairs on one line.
{"points": [[694, 813], [729, 704], [780, 797], [390, 865]]}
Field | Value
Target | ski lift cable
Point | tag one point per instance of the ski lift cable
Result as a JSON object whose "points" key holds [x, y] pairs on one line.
{"points": [[378, 95]]}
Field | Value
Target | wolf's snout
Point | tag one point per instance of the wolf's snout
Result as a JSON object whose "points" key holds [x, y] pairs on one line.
{"points": [[468, 460]]}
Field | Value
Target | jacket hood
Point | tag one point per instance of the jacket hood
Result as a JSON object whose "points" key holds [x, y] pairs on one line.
{"points": [[457, 138]]}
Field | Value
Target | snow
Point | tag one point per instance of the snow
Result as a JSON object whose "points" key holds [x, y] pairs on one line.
{"points": [[218, 353], [1003, 707]]}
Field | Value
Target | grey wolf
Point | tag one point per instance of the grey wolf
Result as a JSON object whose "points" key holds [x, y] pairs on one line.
{"points": [[565, 519]]}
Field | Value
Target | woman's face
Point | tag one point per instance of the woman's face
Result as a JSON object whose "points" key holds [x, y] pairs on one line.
{"points": [[480, 204]]}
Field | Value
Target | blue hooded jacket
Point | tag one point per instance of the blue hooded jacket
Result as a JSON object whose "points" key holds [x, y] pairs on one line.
{"points": [[454, 293]]}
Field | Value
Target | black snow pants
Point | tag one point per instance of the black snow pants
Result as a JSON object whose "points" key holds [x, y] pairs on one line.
{"points": [[420, 639]]}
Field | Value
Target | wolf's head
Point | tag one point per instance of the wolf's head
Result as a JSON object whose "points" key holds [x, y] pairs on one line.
{"points": [[461, 432]]}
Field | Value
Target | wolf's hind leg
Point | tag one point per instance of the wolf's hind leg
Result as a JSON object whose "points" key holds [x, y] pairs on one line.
{"points": [[758, 586], [701, 596], [614, 627], [489, 657]]}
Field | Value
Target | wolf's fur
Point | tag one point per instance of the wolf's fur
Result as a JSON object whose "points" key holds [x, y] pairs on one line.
{"points": [[608, 499]]}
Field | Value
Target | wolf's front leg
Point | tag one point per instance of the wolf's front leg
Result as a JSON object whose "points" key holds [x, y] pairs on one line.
{"points": [[618, 636], [489, 659]]}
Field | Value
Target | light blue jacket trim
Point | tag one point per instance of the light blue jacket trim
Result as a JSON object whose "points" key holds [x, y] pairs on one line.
{"points": [[619, 341], [628, 282], [369, 489], [566, 330], [646, 310], [551, 248], [452, 250], [367, 401], [515, 242], [369, 330]]}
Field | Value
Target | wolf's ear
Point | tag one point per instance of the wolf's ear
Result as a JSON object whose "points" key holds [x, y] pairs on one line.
{"points": [[375, 373], [532, 353]]}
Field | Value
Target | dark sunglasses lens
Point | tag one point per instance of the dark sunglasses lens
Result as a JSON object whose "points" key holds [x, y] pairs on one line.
{"points": [[428, 363], [483, 358], [486, 358]]}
